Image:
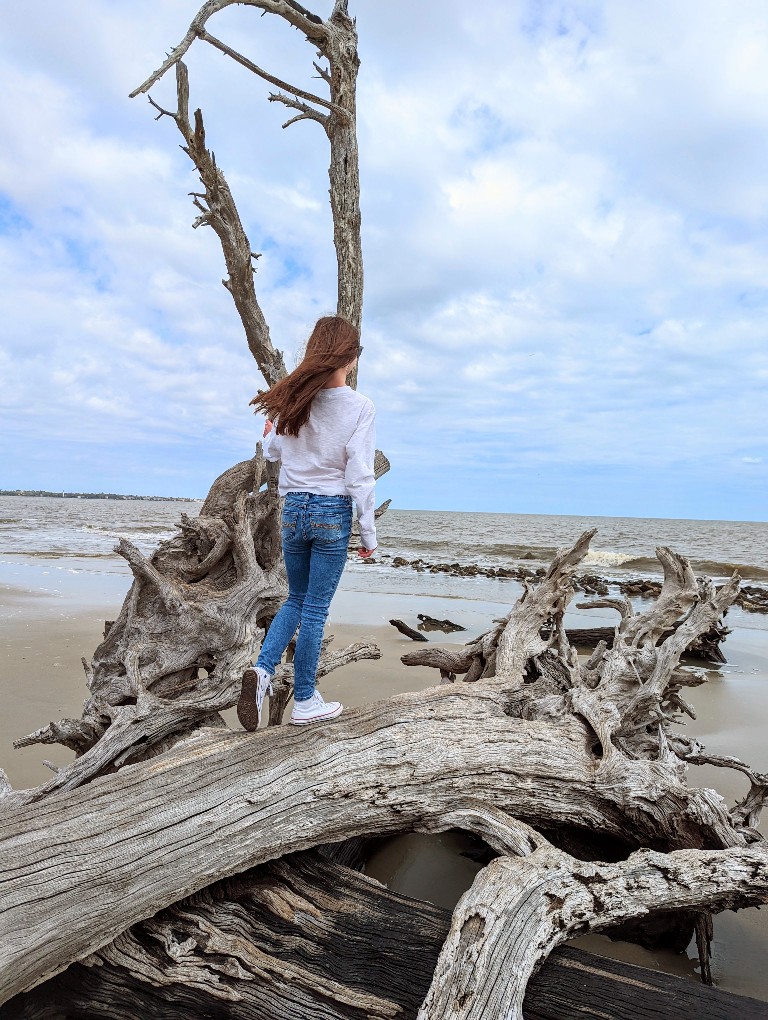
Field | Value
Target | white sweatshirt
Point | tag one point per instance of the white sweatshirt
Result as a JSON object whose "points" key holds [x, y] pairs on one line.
{"points": [[332, 454]]}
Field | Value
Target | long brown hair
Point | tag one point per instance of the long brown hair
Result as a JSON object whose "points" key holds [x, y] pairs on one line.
{"points": [[333, 343]]}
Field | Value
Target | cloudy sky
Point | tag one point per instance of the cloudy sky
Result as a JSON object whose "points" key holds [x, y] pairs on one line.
{"points": [[564, 208]]}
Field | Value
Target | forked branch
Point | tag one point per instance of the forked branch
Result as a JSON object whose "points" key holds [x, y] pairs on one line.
{"points": [[305, 112], [249, 64], [310, 24]]}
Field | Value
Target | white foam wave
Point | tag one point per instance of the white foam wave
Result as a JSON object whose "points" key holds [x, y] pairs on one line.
{"points": [[606, 558], [145, 535]]}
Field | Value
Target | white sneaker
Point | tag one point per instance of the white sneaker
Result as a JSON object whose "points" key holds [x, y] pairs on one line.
{"points": [[254, 686], [314, 709]]}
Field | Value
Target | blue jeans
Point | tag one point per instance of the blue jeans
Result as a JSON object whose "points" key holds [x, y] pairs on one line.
{"points": [[315, 533]]}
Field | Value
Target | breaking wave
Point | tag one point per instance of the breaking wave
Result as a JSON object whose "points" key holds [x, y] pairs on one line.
{"points": [[714, 568], [133, 529], [606, 558]]}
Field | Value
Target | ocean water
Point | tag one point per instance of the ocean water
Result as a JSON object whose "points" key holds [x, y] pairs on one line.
{"points": [[65, 548], [622, 544], [86, 529], [49, 528]]}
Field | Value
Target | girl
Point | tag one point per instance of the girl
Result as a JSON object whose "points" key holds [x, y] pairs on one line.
{"points": [[323, 435]]}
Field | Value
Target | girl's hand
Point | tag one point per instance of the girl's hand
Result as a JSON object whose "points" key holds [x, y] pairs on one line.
{"points": [[365, 553], [267, 428]]}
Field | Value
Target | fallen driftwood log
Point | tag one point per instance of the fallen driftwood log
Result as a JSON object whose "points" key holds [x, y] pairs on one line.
{"points": [[541, 745], [306, 937], [430, 623], [414, 635]]}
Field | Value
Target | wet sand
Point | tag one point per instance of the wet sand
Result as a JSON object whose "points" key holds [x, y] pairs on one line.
{"points": [[43, 634]]}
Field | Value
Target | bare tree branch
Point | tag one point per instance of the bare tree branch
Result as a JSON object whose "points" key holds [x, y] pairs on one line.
{"points": [[305, 112], [322, 72], [249, 64], [220, 212], [162, 112], [313, 27]]}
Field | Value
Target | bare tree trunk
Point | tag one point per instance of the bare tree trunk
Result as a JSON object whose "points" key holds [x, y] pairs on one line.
{"points": [[336, 41], [344, 169]]}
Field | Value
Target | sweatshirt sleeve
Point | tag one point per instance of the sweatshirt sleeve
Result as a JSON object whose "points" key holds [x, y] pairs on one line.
{"points": [[358, 476], [270, 446]]}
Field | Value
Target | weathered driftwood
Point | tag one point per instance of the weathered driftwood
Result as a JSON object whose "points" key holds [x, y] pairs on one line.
{"points": [[307, 937], [410, 632], [478, 658], [430, 623], [226, 801], [705, 648], [560, 751], [520, 908], [298, 938], [173, 658], [221, 802], [592, 988], [629, 694]]}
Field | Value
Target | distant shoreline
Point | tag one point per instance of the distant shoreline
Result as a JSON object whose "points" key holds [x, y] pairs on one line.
{"points": [[97, 495]]}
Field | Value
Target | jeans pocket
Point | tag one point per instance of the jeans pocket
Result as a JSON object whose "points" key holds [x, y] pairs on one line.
{"points": [[289, 521], [329, 527]]}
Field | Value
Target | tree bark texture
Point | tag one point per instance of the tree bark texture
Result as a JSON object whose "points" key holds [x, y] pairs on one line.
{"points": [[306, 937]]}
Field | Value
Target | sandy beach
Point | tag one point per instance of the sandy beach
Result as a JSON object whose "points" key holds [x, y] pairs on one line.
{"points": [[40, 651], [45, 629]]}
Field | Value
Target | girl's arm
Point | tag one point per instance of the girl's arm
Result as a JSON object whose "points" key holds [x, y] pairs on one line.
{"points": [[359, 477], [270, 442]]}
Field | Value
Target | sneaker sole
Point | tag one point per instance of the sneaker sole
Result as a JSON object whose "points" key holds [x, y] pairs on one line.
{"points": [[318, 718], [246, 705]]}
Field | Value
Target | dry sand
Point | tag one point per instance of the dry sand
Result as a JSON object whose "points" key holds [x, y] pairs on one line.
{"points": [[41, 644]]}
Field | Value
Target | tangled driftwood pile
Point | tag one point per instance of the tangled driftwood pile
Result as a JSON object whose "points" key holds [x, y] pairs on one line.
{"points": [[574, 774]]}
